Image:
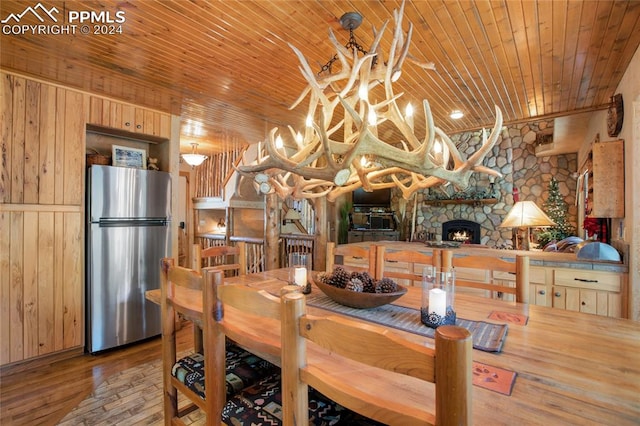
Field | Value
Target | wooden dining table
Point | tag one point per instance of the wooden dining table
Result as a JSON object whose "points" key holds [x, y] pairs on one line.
{"points": [[570, 368]]}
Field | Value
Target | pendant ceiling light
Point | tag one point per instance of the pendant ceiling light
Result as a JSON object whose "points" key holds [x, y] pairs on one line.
{"points": [[456, 114], [194, 159]]}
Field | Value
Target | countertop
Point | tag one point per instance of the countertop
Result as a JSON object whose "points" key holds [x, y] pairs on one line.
{"points": [[537, 258]]}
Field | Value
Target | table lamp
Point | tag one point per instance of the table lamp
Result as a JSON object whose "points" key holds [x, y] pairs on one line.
{"points": [[526, 214]]}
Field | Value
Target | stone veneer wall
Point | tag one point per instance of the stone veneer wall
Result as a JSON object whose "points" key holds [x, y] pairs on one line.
{"points": [[514, 156]]}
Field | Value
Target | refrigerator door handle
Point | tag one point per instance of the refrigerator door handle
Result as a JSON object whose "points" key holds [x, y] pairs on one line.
{"points": [[113, 223]]}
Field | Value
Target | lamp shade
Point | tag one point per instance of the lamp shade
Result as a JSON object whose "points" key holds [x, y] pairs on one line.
{"points": [[194, 159], [526, 214]]}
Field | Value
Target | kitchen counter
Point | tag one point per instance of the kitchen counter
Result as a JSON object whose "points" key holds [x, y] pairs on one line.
{"points": [[537, 258], [558, 280]]}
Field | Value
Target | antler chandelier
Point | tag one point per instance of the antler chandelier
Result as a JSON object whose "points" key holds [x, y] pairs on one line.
{"points": [[340, 150]]}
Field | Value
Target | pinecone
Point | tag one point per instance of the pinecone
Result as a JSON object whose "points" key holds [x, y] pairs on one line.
{"points": [[386, 285], [368, 283], [323, 277], [339, 277], [354, 284]]}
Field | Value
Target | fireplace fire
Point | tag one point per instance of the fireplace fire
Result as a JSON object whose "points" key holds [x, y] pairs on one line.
{"points": [[464, 231]]}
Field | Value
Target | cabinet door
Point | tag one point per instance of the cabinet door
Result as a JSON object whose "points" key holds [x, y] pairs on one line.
{"points": [[608, 179], [538, 294], [98, 113], [126, 117], [142, 123], [588, 301], [153, 123], [43, 311], [566, 298]]}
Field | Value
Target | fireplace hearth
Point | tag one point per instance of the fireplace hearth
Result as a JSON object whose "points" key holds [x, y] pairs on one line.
{"points": [[464, 231]]}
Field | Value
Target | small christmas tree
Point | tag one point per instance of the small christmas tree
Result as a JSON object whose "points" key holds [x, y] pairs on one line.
{"points": [[556, 208]]}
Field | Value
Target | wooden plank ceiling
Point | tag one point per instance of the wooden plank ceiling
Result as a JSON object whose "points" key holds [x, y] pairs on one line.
{"points": [[227, 65]]}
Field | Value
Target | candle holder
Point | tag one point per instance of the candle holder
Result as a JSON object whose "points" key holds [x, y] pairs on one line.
{"points": [[299, 269], [438, 292]]}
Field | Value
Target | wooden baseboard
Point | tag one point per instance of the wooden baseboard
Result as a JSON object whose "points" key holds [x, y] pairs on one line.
{"points": [[39, 362]]}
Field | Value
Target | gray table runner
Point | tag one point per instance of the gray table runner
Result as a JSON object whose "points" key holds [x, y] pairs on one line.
{"points": [[486, 336]]}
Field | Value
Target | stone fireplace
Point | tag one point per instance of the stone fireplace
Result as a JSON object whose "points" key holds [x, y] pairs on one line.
{"points": [[465, 231]]}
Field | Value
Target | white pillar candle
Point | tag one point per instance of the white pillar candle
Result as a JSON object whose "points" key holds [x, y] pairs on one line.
{"points": [[438, 302], [300, 276]]}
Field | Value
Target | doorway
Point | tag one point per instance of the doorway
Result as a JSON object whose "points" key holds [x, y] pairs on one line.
{"points": [[183, 220]]}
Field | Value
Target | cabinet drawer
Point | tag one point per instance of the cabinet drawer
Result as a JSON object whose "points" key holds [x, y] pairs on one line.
{"points": [[608, 281], [386, 236], [536, 275]]}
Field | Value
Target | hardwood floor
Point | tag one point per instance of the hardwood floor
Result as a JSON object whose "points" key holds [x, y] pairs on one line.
{"points": [[44, 395]]}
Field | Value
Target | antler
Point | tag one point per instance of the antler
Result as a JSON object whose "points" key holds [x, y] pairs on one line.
{"points": [[323, 165]]}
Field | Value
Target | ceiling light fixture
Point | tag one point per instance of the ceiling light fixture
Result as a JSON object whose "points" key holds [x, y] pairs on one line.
{"points": [[456, 114], [194, 159], [351, 97]]}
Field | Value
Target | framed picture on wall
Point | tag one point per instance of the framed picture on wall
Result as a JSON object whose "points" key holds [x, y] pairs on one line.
{"points": [[124, 156]]}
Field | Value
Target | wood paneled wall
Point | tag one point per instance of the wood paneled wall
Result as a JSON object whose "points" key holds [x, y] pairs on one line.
{"points": [[212, 176], [41, 218], [43, 133]]}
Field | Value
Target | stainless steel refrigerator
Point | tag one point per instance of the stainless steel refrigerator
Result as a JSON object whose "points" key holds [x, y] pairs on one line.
{"points": [[128, 232]]}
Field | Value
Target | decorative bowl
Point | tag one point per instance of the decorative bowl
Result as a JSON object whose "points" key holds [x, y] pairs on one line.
{"points": [[443, 244], [355, 299]]}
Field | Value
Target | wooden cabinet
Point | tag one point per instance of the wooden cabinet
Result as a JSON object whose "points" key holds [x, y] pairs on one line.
{"points": [[360, 236], [593, 292], [581, 290], [130, 118], [41, 219], [537, 284], [606, 183], [42, 190]]}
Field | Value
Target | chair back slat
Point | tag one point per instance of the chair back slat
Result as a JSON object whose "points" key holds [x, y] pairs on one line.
{"points": [[370, 344], [352, 258], [482, 271], [404, 266], [250, 300], [449, 366], [220, 256], [185, 277]]}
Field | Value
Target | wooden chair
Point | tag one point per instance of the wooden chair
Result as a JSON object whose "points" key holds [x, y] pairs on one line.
{"points": [[226, 367], [219, 256], [172, 277], [262, 402], [449, 366], [404, 266], [352, 258], [262, 306], [490, 276]]}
